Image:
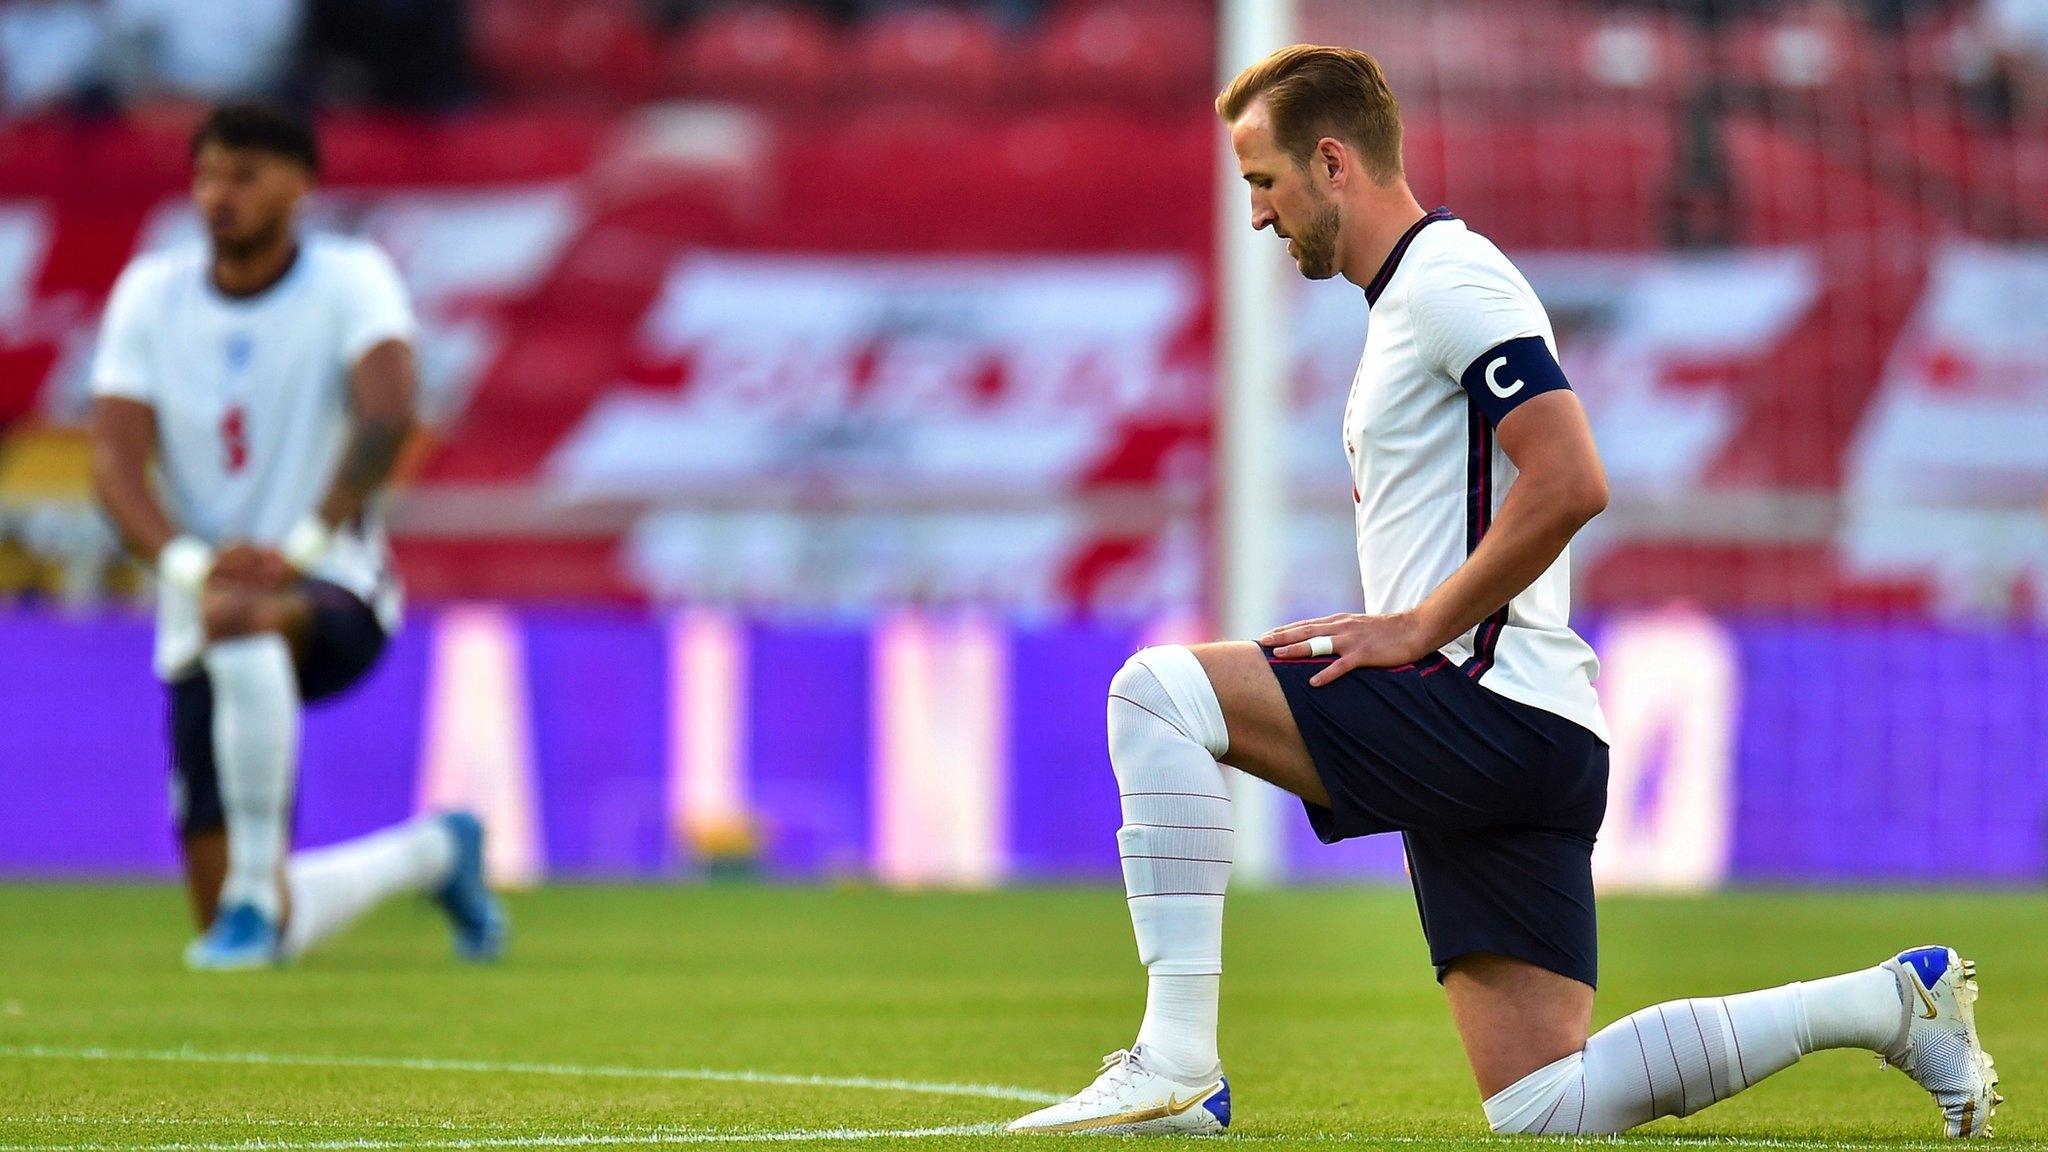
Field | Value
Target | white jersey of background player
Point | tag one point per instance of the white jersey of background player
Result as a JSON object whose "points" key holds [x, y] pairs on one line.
{"points": [[270, 379], [251, 398], [1457, 710]]}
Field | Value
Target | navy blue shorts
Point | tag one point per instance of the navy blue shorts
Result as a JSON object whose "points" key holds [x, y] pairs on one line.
{"points": [[345, 640], [1497, 803]]}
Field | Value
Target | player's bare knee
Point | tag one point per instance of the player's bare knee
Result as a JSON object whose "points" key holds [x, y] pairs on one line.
{"points": [[1238, 674]]}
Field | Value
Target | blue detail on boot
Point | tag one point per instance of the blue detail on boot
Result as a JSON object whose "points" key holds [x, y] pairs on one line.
{"points": [[475, 914], [1929, 963], [1219, 1104], [241, 937]]}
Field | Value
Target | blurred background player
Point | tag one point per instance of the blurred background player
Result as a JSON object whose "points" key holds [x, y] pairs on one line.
{"points": [[1458, 709], [270, 377]]}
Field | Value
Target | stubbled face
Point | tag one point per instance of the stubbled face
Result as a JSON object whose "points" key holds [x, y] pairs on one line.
{"points": [[246, 197], [1287, 196]]}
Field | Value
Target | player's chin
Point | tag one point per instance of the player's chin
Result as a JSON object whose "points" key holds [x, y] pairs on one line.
{"points": [[1322, 270]]}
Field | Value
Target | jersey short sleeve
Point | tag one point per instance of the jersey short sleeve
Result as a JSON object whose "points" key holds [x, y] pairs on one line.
{"points": [[1478, 326], [376, 307], [120, 365]]}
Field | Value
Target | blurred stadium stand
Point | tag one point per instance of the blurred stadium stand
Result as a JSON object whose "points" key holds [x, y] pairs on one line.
{"points": [[908, 303]]}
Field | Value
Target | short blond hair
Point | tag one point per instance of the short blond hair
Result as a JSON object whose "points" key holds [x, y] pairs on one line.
{"points": [[1312, 91]]}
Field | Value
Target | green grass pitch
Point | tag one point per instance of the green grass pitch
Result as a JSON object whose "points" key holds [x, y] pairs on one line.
{"points": [[597, 1030]]}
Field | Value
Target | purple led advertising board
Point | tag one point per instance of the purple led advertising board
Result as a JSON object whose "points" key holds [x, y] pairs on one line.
{"points": [[964, 750]]}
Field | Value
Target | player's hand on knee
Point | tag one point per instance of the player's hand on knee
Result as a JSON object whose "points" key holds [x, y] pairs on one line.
{"points": [[249, 566], [235, 564], [1307, 639], [1352, 640], [227, 608], [1301, 631]]}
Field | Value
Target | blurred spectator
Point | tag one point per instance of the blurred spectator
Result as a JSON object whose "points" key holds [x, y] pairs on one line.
{"points": [[206, 49], [407, 53], [52, 53], [2018, 34]]}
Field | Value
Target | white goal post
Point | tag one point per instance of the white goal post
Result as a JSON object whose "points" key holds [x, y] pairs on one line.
{"points": [[1251, 418]]}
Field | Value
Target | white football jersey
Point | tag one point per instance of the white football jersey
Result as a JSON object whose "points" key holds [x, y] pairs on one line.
{"points": [[251, 398], [1451, 347]]}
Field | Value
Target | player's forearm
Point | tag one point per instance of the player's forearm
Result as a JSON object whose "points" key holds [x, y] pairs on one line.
{"points": [[132, 505], [1534, 524], [372, 451], [381, 390], [123, 439]]}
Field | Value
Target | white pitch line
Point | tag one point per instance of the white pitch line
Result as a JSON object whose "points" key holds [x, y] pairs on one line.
{"points": [[621, 1135], [1705, 1141], [76, 1119], [258, 1122], [342, 1121], [428, 1064], [626, 1135], [565, 1140]]}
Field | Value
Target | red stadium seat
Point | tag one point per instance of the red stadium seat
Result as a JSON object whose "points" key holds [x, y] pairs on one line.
{"points": [[1122, 52], [1647, 54], [1823, 54], [507, 35], [771, 54], [1941, 54], [566, 48], [1503, 54], [930, 52]]}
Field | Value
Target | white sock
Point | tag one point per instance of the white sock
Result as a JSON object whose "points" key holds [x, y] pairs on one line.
{"points": [[1675, 1059], [332, 887], [1864, 1009], [1177, 842], [255, 754], [1178, 1034]]}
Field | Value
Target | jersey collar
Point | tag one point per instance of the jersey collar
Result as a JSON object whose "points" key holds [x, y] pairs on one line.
{"points": [[1393, 261], [284, 276]]}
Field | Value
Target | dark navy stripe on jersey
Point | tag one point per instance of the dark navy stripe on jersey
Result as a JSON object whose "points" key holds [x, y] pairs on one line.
{"points": [[1393, 260], [1484, 642], [1478, 475], [1478, 518]]}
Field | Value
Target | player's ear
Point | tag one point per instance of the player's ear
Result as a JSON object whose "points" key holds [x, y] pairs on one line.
{"points": [[1332, 161]]}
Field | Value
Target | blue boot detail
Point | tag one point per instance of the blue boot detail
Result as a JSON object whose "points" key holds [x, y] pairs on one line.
{"points": [[1929, 963], [473, 911], [1219, 1104], [241, 937]]}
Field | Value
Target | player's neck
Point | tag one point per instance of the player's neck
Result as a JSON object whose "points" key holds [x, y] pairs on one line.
{"points": [[245, 274], [1388, 214]]}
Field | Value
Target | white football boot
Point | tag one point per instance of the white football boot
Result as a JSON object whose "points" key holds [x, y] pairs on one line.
{"points": [[1940, 1050], [1128, 1098]]}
